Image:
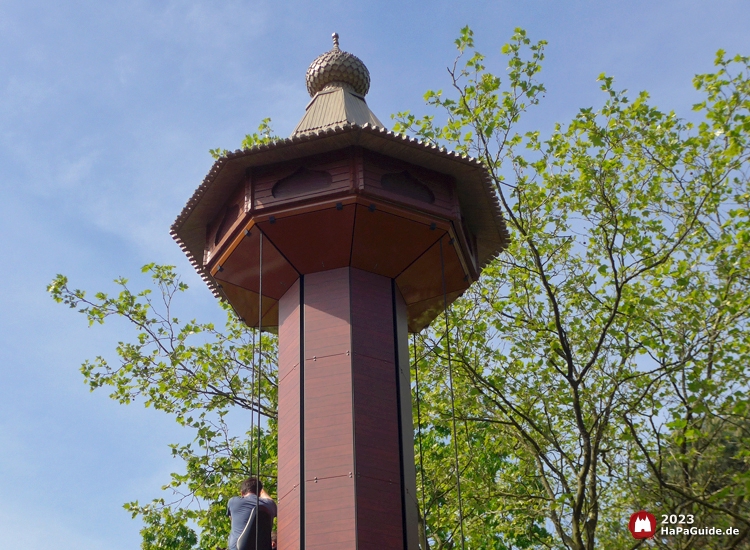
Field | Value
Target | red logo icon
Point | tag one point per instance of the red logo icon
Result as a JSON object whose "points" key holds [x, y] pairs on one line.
{"points": [[642, 525]]}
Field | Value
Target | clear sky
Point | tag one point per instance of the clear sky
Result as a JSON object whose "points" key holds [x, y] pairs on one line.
{"points": [[107, 112]]}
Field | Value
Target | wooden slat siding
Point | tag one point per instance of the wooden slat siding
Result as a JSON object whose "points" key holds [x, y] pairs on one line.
{"points": [[336, 164], [373, 186], [355, 168], [263, 182], [376, 419], [331, 520], [248, 184], [359, 163], [379, 518], [327, 322], [440, 184], [315, 241], [339, 171], [330, 157], [289, 472], [329, 445], [408, 464], [287, 524], [351, 406], [379, 523], [371, 315], [340, 179]]}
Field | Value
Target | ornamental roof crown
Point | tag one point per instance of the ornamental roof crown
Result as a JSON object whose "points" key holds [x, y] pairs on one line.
{"points": [[337, 67]]}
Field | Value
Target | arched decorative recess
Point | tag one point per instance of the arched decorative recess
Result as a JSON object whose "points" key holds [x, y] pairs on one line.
{"points": [[301, 182], [406, 185]]}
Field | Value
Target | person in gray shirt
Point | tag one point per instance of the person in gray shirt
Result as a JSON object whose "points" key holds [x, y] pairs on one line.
{"points": [[240, 508]]}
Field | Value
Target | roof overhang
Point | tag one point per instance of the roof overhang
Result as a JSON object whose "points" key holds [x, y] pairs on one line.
{"points": [[479, 204]]}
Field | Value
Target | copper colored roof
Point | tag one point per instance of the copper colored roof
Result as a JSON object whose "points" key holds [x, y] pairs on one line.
{"points": [[336, 106], [479, 203]]}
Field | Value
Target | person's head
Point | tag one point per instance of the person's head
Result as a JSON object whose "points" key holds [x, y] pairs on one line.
{"points": [[251, 486]]}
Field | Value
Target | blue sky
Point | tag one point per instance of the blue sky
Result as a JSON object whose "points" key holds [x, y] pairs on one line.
{"points": [[107, 112]]}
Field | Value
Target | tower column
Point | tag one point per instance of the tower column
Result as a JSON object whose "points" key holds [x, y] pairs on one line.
{"points": [[364, 236], [346, 474]]}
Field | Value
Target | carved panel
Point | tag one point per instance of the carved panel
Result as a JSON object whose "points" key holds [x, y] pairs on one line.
{"points": [[301, 182], [410, 185], [314, 177], [406, 185]]}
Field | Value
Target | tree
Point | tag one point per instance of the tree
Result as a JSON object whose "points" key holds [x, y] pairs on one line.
{"points": [[609, 345], [197, 374], [599, 364]]}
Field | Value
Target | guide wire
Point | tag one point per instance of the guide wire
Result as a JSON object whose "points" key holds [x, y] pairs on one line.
{"points": [[453, 404], [252, 404], [260, 371], [419, 435]]}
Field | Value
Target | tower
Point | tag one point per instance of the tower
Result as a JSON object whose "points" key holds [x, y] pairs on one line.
{"points": [[362, 233]]}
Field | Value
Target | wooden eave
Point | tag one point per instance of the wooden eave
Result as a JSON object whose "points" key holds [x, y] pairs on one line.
{"points": [[477, 197]]}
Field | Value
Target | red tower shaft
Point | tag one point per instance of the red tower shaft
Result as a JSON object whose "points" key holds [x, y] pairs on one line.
{"points": [[346, 462]]}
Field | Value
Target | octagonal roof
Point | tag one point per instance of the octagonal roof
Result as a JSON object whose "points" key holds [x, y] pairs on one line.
{"points": [[479, 204]]}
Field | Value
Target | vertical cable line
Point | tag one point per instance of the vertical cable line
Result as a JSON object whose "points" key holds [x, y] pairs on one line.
{"points": [[260, 370], [453, 403], [419, 435], [252, 404], [253, 373]]}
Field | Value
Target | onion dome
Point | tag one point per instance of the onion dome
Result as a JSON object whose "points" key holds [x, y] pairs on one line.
{"points": [[338, 67]]}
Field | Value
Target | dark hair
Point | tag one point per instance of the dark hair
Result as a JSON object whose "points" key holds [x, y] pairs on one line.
{"points": [[251, 485]]}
